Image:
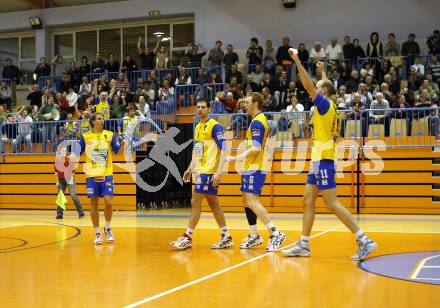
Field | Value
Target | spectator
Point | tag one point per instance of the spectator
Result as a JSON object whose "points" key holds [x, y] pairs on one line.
{"points": [[269, 102], [303, 53], [229, 103], [153, 80], [353, 83], [84, 67], [122, 84], [72, 100], [296, 117], [60, 99], [85, 89], [419, 67], [162, 58], [405, 92], [369, 84], [34, 96], [267, 81], [230, 59], [392, 48], [128, 65], [269, 57], [8, 133], [317, 53], [129, 128], [2, 115], [98, 65], [431, 83], [432, 94], [414, 81], [103, 102], [283, 56], [71, 128], [34, 113], [410, 49], [357, 51], [195, 58], [216, 55], [65, 84], [11, 71], [74, 76], [112, 65], [183, 78], [42, 69], [24, 130], [343, 100], [214, 78], [333, 52], [374, 46], [201, 77], [387, 94], [45, 96], [49, 113], [166, 93], [336, 79], [146, 55], [366, 97], [176, 60], [239, 121], [143, 107], [251, 85], [149, 94], [117, 110], [279, 85], [286, 96], [434, 68], [235, 74], [348, 47], [380, 116], [257, 75], [254, 52], [59, 66], [433, 42], [5, 95]]}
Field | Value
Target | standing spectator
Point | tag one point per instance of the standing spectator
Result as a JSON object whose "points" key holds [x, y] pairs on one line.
{"points": [[283, 56], [24, 130], [357, 53], [34, 96], [162, 58], [12, 72], [128, 65], [269, 61], [410, 49], [392, 48], [84, 67], [374, 46], [176, 60], [146, 55], [98, 65], [434, 68], [254, 52], [333, 52], [348, 47], [117, 110], [216, 55], [303, 53], [74, 76], [72, 100], [230, 59], [6, 95], [317, 53], [8, 133], [195, 58], [59, 66], [112, 66], [48, 113], [433, 42], [42, 69]]}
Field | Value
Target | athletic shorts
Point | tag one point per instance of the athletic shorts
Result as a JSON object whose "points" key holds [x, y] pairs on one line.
{"points": [[253, 181], [100, 189], [204, 186], [322, 174]]}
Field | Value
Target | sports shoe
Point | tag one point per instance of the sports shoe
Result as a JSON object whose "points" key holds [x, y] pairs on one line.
{"points": [[366, 246], [80, 215], [98, 239], [183, 242], [225, 242], [298, 250], [251, 241], [109, 237], [275, 241]]}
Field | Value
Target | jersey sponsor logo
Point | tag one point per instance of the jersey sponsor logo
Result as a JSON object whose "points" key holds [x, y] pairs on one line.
{"points": [[90, 191]]}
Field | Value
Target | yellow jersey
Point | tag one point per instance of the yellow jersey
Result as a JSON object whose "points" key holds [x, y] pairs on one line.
{"points": [[84, 127], [325, 122], [208, 142], [257, 135], [98, 148], [104, 108], [129, 125]]}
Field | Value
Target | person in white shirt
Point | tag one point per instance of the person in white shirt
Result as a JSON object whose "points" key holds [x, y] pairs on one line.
{"points": [[333, 51], [24, 130], [420, 68], [296, 115], [72, 99], [317, 53]]}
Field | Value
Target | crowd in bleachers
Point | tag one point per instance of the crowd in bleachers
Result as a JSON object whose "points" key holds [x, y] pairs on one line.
{"points": [[384, 75]]}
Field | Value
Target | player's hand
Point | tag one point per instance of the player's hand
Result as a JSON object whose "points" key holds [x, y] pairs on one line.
{"points": [[231, 159], [216, 179], [99, 179], [187, 176], [293, 54]]}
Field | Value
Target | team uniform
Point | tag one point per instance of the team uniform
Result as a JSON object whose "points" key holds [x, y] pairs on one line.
{"points": [[97, 147], [84, 127], [325, 122], [103, 107], [208, 142], [256, 167]]}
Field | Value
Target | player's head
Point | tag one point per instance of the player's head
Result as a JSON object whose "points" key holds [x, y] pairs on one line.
{"points": [[325, 87], [97, 120], [254, 103], [203, 108]]}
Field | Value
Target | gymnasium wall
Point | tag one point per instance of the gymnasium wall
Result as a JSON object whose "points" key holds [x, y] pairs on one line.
{"points": [[235, 21]]}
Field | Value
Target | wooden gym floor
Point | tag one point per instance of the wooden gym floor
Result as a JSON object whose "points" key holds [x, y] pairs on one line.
{"points": [[50, 263]]}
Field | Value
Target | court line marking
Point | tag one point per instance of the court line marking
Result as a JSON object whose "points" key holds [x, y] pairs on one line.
{"points": [[151, 298], [420, 266]]}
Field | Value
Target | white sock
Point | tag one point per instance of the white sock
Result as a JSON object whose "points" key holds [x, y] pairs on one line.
{"points": [[271, 227], [107, 224], [254, 230], [224, 231], [189, 232], [305, 239], [360, 234], [97, 230]]}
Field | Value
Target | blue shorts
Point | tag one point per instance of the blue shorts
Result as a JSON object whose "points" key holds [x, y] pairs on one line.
{"points": [[203, 185], [253, 181], [322, 174], [100, 189]]}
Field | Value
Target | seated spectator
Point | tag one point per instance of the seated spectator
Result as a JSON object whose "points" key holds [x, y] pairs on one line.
{"points": [[235, 88], [387, 94], [24, 130], [296, 117], [72, 100], [149, 94], [122, 83], [201, 77], [401, 103], [59, 66], [303, 53], [74, 76], [214, 78], [117, 108], [8, 133], [269, 57], [45, 96], [42, 69], [216, 55], [366, 70], [357, 52], [317, 53], [11, 71], [5, 95], [166, 93], [279, 85], [112, 65], [153, 80], [183, 79], [366, 97], [433, 42], [434, 68], [50, 86], [144, 107], [146, 54], [267, 81], [98, 65], [374, 46], [103, 82], [405, 92], [432, 94], [236, 74], [371, 86], [333, 51], [336, 79], [432, 84], [65, 84], [414, 81], [344, 72], [85, 89], [343, 100], [347, 48], [229, 103], [241, 120], [84, 67], [257, 75], [34, 113], [162, 58], [419, 67], [195, 58], [254, 53], [252, 85], [128, 65], [353, 83], [286, 96], [269, 102], [2, 114], [380, 116], [61, 101]]}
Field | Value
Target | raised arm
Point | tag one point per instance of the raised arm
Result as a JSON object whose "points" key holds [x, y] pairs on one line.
{"points": [[156, 48], [304, 76], [139, 49]]}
